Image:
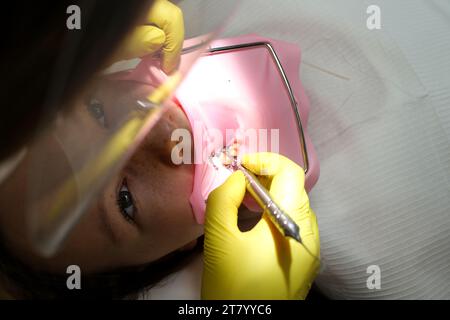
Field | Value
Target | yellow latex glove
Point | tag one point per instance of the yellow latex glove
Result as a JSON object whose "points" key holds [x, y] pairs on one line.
{"points": [[260, 263], [165, 32]]}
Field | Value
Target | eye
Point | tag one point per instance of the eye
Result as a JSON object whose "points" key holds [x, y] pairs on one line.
{"points": [[125, 202], [95, 108]]}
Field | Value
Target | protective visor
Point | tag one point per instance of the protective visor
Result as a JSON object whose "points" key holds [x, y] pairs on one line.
{"points": [[72, 161]]}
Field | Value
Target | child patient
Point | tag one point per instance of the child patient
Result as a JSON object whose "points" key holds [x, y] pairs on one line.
{"points": [[142, 215], [144, 225]]}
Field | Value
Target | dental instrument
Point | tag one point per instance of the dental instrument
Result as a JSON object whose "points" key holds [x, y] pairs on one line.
{"points": [[283, 222]]}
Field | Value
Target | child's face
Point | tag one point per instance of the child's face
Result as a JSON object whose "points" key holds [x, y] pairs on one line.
{"points": [[143, 213]]}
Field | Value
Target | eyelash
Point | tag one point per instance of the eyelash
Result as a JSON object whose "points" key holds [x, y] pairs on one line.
{"points": [[95, 108], [123, 204]]}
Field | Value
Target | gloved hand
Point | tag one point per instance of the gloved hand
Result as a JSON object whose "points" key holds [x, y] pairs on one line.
{"points": [[260, 263], [165, 32]]}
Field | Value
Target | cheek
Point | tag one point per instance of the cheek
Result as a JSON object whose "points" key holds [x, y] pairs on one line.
{"points": [[175, 191], [170, 223], [165, 193]]}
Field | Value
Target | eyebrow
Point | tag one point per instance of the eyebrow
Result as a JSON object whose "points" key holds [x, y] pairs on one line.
{"points": [[105, 222]]}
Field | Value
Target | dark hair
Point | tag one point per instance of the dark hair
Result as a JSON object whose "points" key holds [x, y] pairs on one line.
{"points": [[44, 64], [22, 282]]}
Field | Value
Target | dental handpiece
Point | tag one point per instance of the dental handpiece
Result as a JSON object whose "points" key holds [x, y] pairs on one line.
{"points": [[280, 219]]}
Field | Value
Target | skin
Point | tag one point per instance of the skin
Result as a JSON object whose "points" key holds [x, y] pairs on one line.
{"points": [[106, 238]]}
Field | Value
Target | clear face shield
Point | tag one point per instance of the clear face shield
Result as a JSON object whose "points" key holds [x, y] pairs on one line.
{"points": [[70, 164]]}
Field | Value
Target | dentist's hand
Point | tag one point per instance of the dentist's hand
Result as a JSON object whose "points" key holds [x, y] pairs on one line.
{"points": [[164, 31], [260, 263]]}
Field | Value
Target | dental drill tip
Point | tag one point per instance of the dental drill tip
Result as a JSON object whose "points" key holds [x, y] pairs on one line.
{"points": [[292, 230], [296, 237]]}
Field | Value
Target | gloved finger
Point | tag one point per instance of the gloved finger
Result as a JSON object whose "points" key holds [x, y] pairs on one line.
{"points": [[313, 239], [169, 18], [288, 190], [266, 163], [142, 41], [287, 185], [223, 203], [309, 232], [288, 178], [314, 224]]}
